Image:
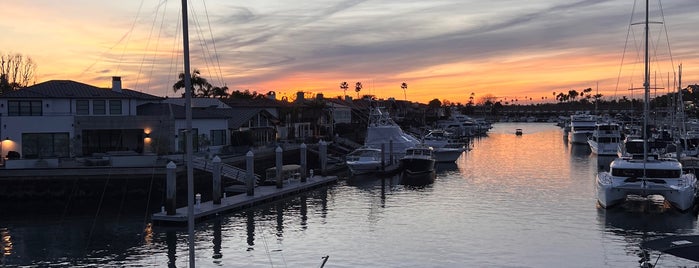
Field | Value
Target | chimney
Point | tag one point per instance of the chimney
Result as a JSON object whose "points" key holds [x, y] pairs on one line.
{"points": [[116, 83]]}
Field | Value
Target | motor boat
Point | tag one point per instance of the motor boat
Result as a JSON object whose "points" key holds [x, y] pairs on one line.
{"points": [[364, 160], [605, 139], [518, 132], [446, 149], [418, 159], [581, 128], [383, 131]]}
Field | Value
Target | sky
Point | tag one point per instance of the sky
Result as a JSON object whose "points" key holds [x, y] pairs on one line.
{"points": [[443, 49]]}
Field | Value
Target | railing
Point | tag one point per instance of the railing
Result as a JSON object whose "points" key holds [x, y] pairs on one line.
{"points": [[227, 171]]}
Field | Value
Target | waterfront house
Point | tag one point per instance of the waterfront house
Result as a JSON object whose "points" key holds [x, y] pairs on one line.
{"points": [[62, 119]]}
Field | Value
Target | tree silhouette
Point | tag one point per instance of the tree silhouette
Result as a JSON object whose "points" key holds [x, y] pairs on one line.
{"points": [[16, 71], [344, 86], [200, 84], [357, 88], [404, 86]]}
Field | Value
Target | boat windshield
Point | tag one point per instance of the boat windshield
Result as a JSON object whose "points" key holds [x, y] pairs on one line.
{"points": [[650, 173]]}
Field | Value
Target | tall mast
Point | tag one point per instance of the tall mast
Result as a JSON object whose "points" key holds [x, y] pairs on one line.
{"points": [[646, 90], [188, 134]]}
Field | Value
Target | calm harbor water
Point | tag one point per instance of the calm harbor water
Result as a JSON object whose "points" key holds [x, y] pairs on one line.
{"points": [[512, 201]]}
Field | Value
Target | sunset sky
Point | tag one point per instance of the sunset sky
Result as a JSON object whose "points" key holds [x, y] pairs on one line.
{"points": [[443, 49]]}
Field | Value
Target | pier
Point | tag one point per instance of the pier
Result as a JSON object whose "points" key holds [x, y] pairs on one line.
{"points": [[203, 210]]}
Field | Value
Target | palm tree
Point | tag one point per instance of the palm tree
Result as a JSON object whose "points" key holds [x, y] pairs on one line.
{"points": [[404, 86], [219, 92], [197, 82], [344, 86], [357, 88]]}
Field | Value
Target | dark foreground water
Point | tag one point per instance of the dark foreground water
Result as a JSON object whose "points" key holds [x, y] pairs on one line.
{"points": [[513, 201]]}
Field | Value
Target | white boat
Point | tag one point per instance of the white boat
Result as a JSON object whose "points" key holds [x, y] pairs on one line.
{"points": [[605, 139], [418, 159], [646, 174], [654, 176], [364, 160], [382, 130], [581, 128], [446, 149]]}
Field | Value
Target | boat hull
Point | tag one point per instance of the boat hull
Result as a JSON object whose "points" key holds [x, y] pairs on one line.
{"points": [[445, 155], [417, 165], [611, 193], [362, 167]]}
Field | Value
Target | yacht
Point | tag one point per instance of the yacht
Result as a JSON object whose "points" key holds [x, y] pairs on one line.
{"points": [[382, 130], [418, 159], [605, 139], [364, 160], [652, 176], [645, 174], [446, 149], [581, 128]]}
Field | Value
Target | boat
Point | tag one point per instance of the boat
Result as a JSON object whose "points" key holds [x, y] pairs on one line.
{"points": [[289, 171], [581, 128], [644, 174], [605, 139], [645, 177], [446, 148], [383, 131], [364, 160], [418, 159], [518, 132]]}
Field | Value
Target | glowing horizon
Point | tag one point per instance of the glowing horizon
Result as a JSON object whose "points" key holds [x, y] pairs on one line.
{"points": [[529, 50]]}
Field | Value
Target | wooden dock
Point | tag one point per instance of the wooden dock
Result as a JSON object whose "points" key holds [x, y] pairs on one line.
{"points": [[262, 194]]}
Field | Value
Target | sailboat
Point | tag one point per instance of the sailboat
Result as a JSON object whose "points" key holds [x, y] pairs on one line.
{"points": [[646, 174]]}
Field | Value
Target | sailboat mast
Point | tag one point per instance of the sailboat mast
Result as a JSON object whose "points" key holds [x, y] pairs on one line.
{"points": [[188, 133], [646, 91]]}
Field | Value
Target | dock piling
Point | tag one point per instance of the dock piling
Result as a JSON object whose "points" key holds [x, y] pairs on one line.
{"points": [[383, 156], [250, 169], [171, 182], [390, 151], [323, 151], [216, 194], [304, 164], [279, 166]]}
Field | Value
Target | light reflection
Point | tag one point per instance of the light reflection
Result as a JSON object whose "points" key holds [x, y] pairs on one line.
{"points": [[6, 242], [148, 234]]}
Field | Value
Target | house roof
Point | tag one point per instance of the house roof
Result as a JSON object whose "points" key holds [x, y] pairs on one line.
{"points": [[68, 89], [178, 111], [258, 103], [243, 115], [198, 102]]}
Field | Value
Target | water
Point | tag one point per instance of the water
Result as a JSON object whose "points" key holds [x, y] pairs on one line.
{"points": [[513, 201]]}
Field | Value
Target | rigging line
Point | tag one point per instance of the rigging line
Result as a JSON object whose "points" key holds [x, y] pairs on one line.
{"points": [[623, 54], [202, 42], [667, 37], [213, 42], [150, 36], [138, 14], [174, 55], [157, 45]]}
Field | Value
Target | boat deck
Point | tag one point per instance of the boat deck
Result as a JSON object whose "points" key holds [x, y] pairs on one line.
{"points": [[240, 201]]}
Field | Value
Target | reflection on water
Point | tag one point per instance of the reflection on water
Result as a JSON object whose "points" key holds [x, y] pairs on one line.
{"points": [[635, 227], [526, 201], [418, 179]]}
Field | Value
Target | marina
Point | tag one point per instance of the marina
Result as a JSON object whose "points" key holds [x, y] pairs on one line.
{"points": [[525, 199]]}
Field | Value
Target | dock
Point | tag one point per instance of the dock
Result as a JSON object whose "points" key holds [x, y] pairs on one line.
{"points": [[240, 201]]}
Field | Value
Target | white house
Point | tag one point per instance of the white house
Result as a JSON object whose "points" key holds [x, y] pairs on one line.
{"points": [[62, 118]]}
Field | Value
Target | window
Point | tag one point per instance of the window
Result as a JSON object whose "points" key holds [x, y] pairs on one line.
{"points": [[115, 107], [82, 107], [218, 137], [24, 108], [42, 145], [99, 107]]}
